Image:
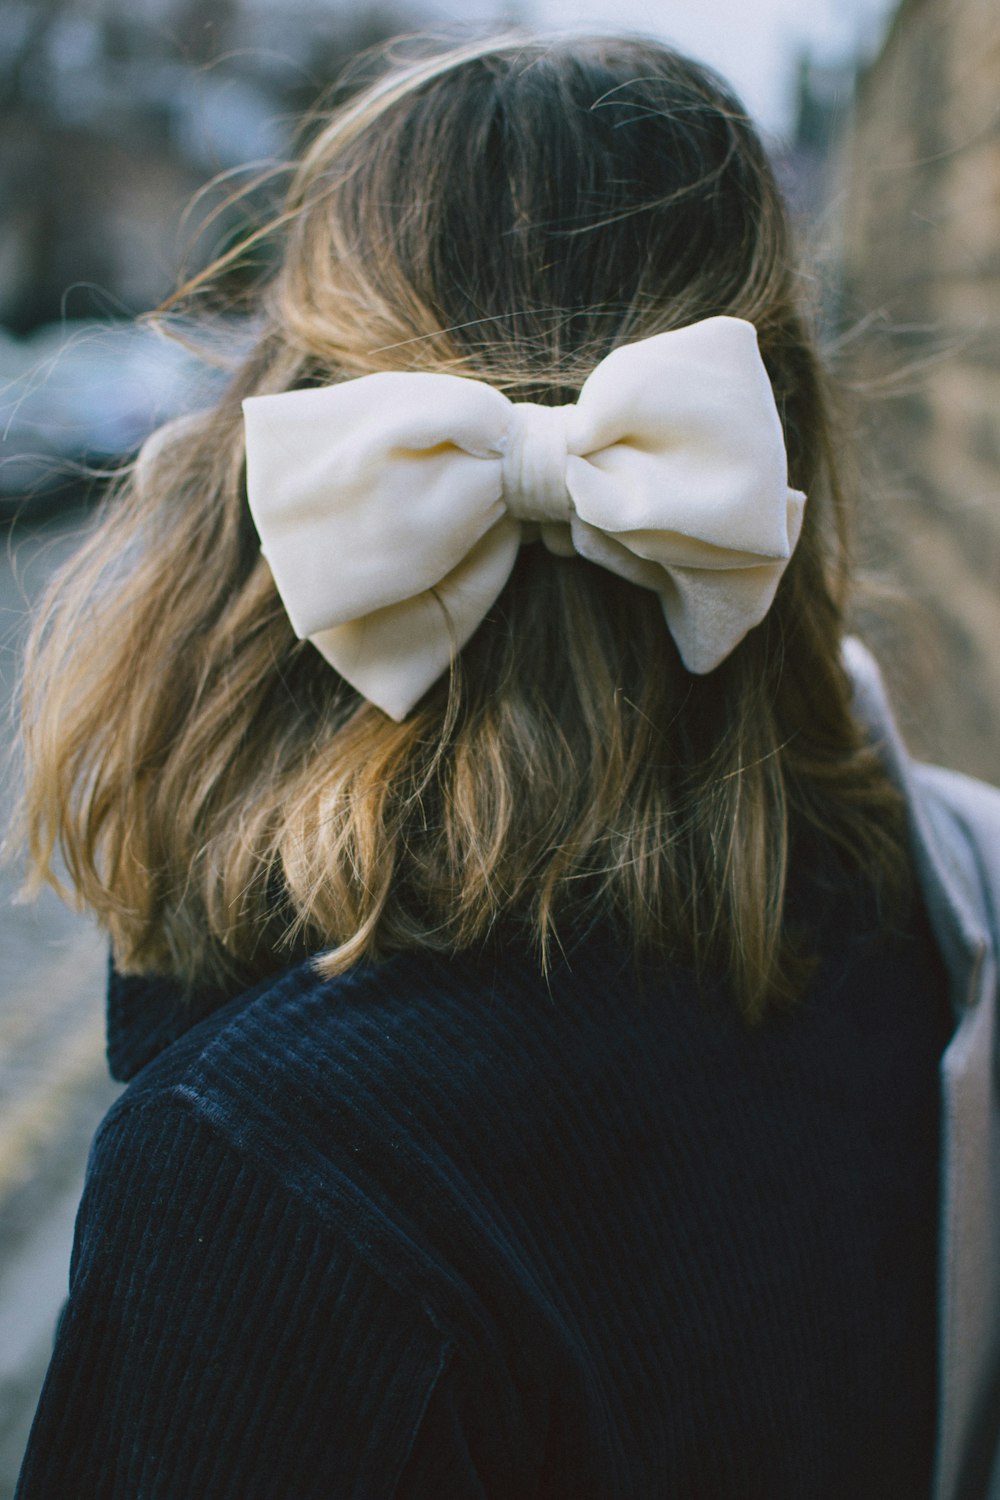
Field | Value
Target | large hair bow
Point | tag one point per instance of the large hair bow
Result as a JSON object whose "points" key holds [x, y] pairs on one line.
{"points": [[391, 507]]}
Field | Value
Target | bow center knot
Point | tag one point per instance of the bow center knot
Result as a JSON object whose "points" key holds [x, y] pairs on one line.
{"points": [[534, 463]]}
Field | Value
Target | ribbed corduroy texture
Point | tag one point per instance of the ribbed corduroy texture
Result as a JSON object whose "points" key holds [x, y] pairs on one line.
{"points": [[440, 1230]]}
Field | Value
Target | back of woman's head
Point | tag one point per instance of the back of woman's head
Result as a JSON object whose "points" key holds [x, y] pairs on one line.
{"points": [[510, 212]]}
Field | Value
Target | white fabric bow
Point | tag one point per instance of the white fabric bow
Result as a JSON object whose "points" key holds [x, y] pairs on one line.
{"points": [[391, 507]]}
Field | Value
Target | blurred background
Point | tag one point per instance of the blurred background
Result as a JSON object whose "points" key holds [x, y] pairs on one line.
{"points": [[129, 130]]}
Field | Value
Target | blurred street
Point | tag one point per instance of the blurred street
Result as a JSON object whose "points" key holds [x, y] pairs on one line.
{"points": [[54, 1085]]}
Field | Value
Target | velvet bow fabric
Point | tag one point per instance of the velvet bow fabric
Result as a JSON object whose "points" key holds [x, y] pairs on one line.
{"points": [[391, 507]]}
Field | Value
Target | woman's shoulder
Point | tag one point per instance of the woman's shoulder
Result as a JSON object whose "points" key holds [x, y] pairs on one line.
{"points": [[358, 1091]]}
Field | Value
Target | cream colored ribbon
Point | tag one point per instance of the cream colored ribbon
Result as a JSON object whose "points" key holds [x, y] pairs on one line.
{"points": [[391, 507]]}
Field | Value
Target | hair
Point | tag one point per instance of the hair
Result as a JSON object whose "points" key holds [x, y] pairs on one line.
{"points": [[512, 211]]}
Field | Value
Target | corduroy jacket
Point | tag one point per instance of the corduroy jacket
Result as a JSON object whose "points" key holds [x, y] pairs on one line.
{"points": [[435, 1398]]}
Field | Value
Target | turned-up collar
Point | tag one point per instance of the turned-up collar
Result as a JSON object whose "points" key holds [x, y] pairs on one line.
{"points": [[148, 1013]]}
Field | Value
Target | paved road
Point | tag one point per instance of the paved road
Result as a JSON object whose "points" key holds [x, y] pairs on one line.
{"points": [[53, 1081]]}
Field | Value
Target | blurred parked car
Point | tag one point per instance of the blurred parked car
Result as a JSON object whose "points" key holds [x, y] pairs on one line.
{"points": [[77, 398]]}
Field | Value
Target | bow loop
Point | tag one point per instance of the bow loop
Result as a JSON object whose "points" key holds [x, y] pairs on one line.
{"points": [[391, 507]]}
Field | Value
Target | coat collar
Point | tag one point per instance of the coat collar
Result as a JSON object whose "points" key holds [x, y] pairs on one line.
{"points": [[148, 1013]]}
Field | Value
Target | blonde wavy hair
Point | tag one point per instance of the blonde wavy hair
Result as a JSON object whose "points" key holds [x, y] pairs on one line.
{"points": [[512, 211]]}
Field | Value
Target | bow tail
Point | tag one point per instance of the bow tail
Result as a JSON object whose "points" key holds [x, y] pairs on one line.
{"points": [[709, 613], [711, 596], [393, 655]]}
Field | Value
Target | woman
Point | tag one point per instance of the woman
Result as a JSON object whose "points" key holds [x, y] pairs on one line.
{"points": [[534, 961]]}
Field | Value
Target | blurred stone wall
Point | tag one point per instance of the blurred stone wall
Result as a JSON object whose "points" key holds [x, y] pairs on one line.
{"points": [[920, 200]]}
